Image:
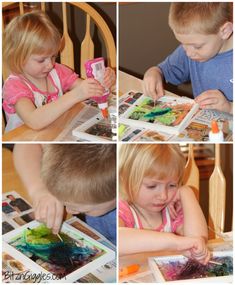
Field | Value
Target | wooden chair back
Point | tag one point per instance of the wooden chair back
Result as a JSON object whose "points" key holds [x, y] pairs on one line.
{"points": [[217, 190], [87, 45]]}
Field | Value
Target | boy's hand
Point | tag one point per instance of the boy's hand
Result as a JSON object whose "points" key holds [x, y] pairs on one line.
{"points": [[195, 248], [88, 88], [48, 210], [214, 99], [109, 77], [153, 83]]}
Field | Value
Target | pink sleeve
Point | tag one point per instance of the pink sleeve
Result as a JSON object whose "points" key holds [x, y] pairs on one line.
{"points": [[67, 76], [125, 214], [14, 89], [178, 221]]}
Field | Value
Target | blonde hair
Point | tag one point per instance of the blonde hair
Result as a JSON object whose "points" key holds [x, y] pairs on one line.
{"points": [[79, 173], [201, 17], [137, 161], [31, 33]]}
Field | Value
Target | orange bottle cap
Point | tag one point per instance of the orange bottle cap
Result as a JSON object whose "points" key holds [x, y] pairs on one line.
{"points": [[105, 113], [214, 127], [128, 269]]}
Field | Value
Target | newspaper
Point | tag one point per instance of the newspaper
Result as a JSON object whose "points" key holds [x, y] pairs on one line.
{"points": [[89, 113]]}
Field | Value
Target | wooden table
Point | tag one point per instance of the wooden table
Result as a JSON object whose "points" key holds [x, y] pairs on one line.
{"points": [[142, 260], [128, 82], [10, 179], [24, 133]]}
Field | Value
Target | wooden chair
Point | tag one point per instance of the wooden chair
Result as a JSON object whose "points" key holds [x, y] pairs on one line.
{"points": [[217, 190], [87, 45]]}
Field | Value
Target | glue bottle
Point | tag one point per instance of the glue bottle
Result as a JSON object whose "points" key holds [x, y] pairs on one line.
{"points": [[215, 135], [95, 68]]}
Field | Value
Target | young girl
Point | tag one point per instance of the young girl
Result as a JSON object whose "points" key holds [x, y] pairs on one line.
{"points": [[155, 211], [32, 94]]}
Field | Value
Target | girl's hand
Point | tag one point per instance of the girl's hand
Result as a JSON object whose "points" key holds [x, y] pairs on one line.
{"points": [[153, 83], [195, 248], [200, 251], [48, 210], [175, 206], [88, 88], [109, 77], [214, 99]]}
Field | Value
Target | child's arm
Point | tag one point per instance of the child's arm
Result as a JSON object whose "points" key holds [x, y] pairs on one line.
{"points": [[214, 99], [153, 83], [38, 118], [194, 223], [139, 240], [27, 160], [194, 220]]}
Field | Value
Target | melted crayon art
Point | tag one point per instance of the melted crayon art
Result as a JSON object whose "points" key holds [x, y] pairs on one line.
{"points": [[168, 114], [189, 269], [59, 257]]}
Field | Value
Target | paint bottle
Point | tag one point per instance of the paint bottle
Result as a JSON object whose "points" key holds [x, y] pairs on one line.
{"points": [[128, 270], [215, 135], [95, 68]]}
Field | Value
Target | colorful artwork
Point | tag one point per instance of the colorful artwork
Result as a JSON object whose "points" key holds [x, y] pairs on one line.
{"points": [[97, 128], [182, 268], [62, 254], [169, 114], [101, 130], [197, 132]]}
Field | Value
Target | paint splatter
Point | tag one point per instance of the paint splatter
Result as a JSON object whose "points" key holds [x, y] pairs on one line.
{"points": [[59, 256], [180, 270], [168, 114]]}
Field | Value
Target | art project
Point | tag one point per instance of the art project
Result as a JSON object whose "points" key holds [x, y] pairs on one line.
{"points": [[96, 129], [67, 256], [178, 268], [169, 114]]}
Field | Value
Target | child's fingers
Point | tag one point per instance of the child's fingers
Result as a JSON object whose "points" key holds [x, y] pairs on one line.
{"points": [[150, 89], [160, 89], [208, 257], [58, 218], [41, 213], [51, 214], [172, 211]]}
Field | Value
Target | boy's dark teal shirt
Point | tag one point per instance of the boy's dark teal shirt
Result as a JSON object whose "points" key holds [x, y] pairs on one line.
{"points": [[106, 225], [213, 74]]}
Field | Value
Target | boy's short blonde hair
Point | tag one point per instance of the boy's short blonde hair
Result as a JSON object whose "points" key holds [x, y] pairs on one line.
{"points": [[80, 173], [199, 17], [31, 33], [137, 161]]}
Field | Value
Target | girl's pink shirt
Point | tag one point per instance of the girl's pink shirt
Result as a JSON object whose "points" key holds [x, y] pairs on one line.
{"points": [[127, 217], [15, 87]]}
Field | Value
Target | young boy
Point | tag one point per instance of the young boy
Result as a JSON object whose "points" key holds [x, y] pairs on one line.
{"points": [[81, 177], [205, 56]]}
